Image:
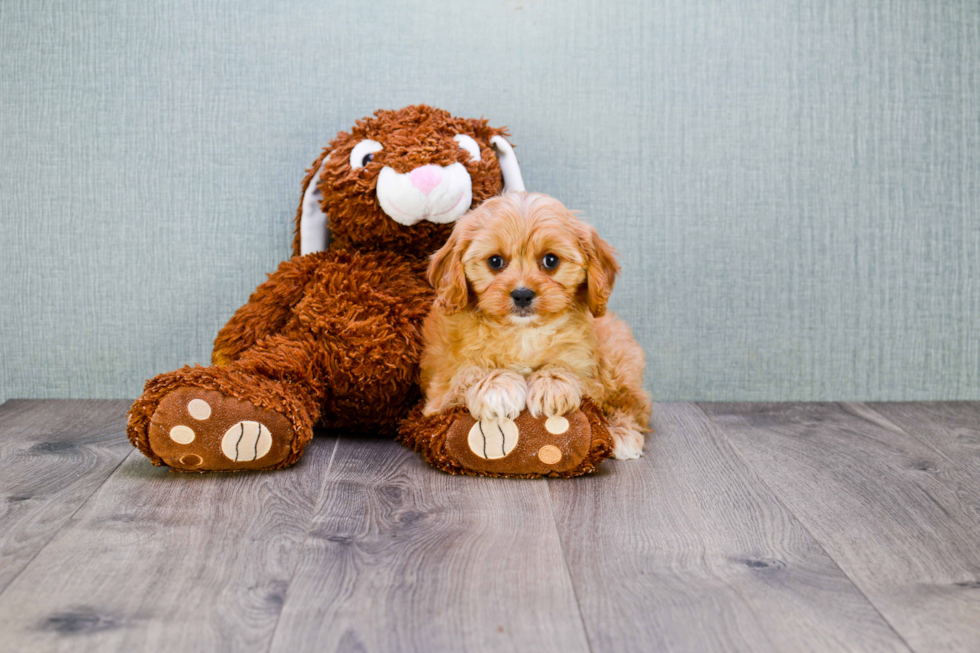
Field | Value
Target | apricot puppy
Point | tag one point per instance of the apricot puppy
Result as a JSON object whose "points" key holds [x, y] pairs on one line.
{"points": [[520, 321]]}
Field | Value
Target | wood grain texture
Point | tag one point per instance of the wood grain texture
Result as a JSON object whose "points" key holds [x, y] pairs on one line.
{"points": [[952, 429], [159, 561], [687, 550], [402, 557], [876, 499], [764, 527], [53, 456]]}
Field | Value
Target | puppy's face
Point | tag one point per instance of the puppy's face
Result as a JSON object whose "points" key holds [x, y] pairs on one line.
{"points": [[523, 258], [523, 265]]}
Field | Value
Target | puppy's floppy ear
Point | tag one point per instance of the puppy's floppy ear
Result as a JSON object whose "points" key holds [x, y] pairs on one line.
{"points": [[446, 274], [601, 269]]}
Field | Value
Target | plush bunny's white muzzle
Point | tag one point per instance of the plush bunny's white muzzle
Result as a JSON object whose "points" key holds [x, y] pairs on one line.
{"points": [[431, 192]]}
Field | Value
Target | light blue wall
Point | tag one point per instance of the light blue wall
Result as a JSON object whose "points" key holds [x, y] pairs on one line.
{"points": [[793, 184]]}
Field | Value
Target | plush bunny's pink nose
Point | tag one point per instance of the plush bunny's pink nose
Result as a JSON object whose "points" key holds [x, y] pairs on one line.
{"points": [[425, 178]]}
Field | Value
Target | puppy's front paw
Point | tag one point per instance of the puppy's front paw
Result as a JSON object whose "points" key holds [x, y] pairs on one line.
{"points": [[627, 442], [553, 393], [501, 394]]}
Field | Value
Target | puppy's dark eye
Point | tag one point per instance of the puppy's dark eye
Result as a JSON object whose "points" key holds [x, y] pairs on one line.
{"points": [[550, 261], [495, 262], [368, 158]]}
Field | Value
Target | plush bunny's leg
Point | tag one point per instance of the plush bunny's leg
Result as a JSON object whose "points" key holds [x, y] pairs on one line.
{"points": [[256, 413]]}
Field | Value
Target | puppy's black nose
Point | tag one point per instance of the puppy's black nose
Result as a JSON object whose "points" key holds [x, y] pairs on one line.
{"points": [[522, 297]]}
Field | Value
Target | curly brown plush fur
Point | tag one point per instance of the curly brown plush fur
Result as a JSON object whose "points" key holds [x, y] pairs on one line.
{"points": [[332, 338]]}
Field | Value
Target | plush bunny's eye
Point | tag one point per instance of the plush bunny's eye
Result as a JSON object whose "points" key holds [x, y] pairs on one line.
{"points": [[363, 153], [467, 143]]}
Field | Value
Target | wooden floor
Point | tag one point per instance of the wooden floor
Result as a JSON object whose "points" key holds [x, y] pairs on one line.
{"points": [[746, 527]]}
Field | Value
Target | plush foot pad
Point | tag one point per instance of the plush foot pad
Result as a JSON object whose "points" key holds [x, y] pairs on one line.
{"points": [[527, 447], [196, 430]]}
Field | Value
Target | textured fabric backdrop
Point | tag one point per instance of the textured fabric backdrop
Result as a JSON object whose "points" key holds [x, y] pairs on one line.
{"points": [[793, 184]]}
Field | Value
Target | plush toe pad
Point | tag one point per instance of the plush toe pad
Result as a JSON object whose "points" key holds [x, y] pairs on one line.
{"points": [[199, 430], [493, 439], [523, 446]]}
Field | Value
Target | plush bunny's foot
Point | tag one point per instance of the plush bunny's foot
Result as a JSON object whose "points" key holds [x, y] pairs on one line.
{"points": [[197, 430], [525, 447], [217, 419]]}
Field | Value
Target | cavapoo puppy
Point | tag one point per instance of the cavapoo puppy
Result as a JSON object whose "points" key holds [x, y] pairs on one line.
{"points": [[520, 321]]}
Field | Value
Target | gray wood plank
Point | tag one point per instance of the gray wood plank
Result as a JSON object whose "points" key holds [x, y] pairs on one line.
{"points": [[869, 493], [160, 561], [686, 549], [53, 456], [951, 428], [402, 557]]}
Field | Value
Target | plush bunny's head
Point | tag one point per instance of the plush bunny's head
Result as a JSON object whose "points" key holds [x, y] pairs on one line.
{"points": [[399, 179]]}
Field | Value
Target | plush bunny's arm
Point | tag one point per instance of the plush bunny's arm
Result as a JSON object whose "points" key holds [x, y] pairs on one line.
{"points": [[267, 310]]}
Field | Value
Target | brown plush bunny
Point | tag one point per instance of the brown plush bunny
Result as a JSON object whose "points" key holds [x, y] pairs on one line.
{"points": [[333, 337]]}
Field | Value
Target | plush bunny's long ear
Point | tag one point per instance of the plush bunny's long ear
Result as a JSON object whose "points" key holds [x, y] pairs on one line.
{"points": [[312, 233], [314, 229], [513, 181]]}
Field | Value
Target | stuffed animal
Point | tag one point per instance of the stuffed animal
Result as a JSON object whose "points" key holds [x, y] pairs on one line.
{"points": [[523, 448], [333, 337]]}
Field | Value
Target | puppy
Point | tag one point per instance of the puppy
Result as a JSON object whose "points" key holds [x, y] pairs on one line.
{"points": [[520, 321]]}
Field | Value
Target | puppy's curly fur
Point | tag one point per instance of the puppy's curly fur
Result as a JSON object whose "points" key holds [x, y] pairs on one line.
{"points": [[497, 354]]}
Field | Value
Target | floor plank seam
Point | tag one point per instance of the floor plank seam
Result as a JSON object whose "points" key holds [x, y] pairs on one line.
{"points": [[67, 520], [568, 571], [309, 527], [802, 524]]}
